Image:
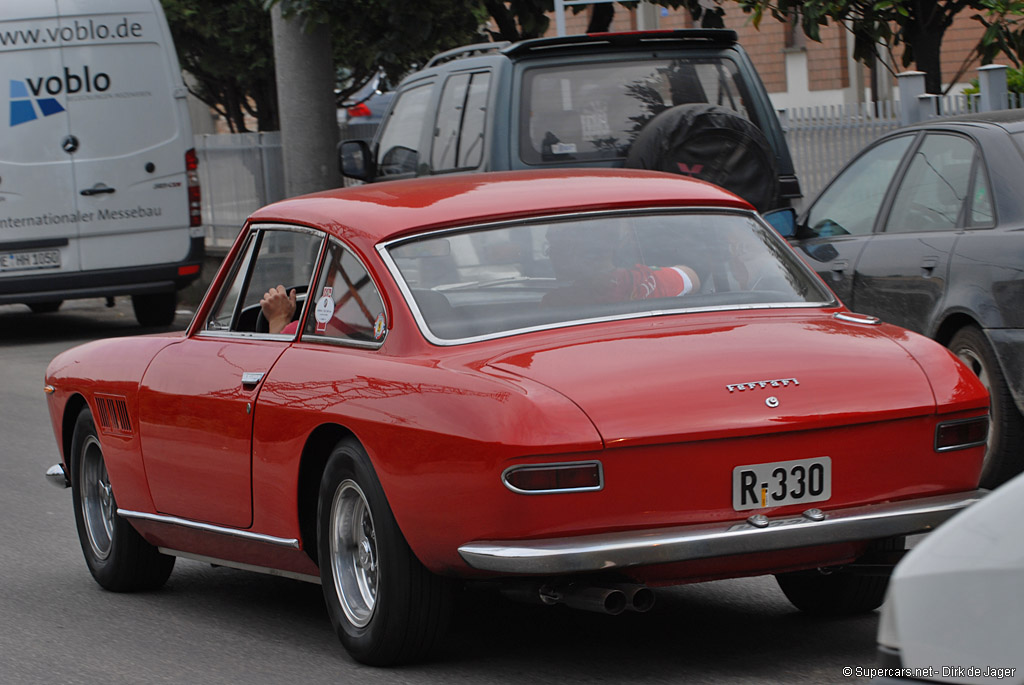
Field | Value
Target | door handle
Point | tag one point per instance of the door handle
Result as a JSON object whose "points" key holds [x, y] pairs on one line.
{"points": [[98, 189], [928, 265], [838, 267], [251, 378]]}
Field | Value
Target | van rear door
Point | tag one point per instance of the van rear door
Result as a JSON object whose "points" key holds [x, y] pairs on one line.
{"points": [[38, 217], [129, 120]]}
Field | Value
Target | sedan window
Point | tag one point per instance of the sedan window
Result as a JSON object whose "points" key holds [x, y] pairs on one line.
{"points": [[269, 258], [851, 203], [346, 306], [933, 192], [508, 278]]}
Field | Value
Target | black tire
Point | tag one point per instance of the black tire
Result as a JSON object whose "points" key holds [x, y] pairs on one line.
{"points": [[834, 592], [1004, 455], [155, 309], [117, 556], [45, 307], [386, 607]]}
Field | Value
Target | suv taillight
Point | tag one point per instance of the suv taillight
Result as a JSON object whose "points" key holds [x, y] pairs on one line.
{"points": [[195, 205]]}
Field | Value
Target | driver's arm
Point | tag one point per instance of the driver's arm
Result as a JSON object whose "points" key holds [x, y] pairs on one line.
{"points": [[278, 307]]}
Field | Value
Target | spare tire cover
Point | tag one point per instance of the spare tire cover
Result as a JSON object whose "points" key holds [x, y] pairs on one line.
{"points": [[713, 144]]}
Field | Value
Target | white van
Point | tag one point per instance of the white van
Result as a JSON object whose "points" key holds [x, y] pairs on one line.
{"points": [[99, 193]]}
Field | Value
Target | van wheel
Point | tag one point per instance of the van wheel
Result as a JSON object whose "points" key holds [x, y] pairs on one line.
{"points": [[155, 309], [386, 607], [117, 556], [45, 307], [1004, 456]]}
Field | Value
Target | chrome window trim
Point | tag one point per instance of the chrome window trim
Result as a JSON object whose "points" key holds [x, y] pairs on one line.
{"points": [[291, 543], [384, 247], [205, 332], [348, 342], [554, 465]]}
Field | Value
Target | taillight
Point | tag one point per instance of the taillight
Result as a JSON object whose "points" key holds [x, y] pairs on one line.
{"points": [[958, 435], [360, 110], [195, 204], [551, 478]]}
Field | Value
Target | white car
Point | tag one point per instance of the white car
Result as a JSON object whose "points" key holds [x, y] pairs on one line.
{"points": [[955, 606]]}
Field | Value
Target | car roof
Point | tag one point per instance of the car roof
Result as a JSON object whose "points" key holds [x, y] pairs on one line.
{"points": [[1010, 119], [372, 213]]}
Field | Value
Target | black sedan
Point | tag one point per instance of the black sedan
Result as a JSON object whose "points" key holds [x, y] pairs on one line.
{"points": [[925, 229]]}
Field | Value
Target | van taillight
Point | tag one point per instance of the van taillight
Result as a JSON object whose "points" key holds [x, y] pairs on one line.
{"points": [[195, 205]]}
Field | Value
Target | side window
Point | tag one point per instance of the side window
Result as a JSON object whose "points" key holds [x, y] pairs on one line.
{"points": [[933, 192], [850, 205], [345, 304], [271, 257], [458, 136], [982, 211], [398, 150]]}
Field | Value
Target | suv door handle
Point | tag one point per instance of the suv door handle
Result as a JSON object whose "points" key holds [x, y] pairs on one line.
{"points": [[928, 265]]}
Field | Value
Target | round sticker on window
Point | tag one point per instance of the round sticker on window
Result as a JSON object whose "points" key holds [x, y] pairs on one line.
{"points": [[324, 310], [379, 328]]}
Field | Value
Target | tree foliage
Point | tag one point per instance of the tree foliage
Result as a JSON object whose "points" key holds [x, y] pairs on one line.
{"points": [[227, 49], [392, 35], [1004, 32], [877, 25]]}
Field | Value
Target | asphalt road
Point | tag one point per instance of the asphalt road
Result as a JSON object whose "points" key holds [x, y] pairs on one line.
{"points": [[215, 625]]}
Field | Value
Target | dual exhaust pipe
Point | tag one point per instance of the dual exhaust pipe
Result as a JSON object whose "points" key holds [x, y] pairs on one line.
{"points": [[606, 598]]}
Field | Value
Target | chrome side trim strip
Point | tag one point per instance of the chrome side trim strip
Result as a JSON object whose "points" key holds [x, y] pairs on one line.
{"points": [[209, 528], [213, 561], [704, 541]]}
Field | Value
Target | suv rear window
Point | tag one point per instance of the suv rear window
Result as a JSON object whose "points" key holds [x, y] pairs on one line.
{"points": [[594, 111]]}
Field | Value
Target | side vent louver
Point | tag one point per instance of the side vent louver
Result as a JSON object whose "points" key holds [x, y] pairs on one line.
{"points": [[113, 415]]}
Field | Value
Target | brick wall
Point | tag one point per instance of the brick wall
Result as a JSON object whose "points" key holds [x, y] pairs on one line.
{"points": [[827, 61]]}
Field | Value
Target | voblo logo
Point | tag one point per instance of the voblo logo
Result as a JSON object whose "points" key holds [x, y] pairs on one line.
{"points": [[32, 98]]}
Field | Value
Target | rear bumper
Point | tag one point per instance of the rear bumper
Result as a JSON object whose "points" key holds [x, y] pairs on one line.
{"points": [[556, 556], [130, 280]]}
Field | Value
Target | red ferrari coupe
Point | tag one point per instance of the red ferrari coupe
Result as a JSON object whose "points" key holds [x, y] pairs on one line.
{"points": [[573, 385]]}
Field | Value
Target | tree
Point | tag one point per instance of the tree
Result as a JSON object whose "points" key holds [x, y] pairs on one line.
{"points": [[226, 48], [917, 25], [392, 35]]}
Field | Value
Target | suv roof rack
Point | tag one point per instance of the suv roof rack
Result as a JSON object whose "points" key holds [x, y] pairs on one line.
{"points": [[465, 51], [625, 39]]}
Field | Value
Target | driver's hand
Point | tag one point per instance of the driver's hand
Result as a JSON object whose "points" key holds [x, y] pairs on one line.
{"points": [[278, 307]]}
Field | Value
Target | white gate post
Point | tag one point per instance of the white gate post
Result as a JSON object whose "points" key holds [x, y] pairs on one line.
{"points": [[992, 86], [911, 85]]}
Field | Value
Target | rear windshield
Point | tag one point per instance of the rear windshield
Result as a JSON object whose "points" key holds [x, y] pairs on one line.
{"points": [[499, 279], [594, 111]]}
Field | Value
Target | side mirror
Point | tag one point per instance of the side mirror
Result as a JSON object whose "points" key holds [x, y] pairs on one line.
{"points": [[355, 159], [783, 221]]}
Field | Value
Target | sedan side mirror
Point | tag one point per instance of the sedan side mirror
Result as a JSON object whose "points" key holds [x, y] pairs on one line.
{"points": [[783, 221], [355, 160]]}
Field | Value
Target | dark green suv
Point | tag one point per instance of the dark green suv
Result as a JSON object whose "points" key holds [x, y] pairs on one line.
{"points": [[687, 101]]}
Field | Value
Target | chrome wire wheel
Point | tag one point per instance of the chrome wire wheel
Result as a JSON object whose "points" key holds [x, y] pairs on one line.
{"points": [[353, 549], [97, 502]]}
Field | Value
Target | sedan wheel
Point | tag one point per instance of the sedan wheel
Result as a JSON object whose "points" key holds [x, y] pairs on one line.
{"points": [[386, 607], [97, 499], [1004, 456], [354, 554], [117, 556]]}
